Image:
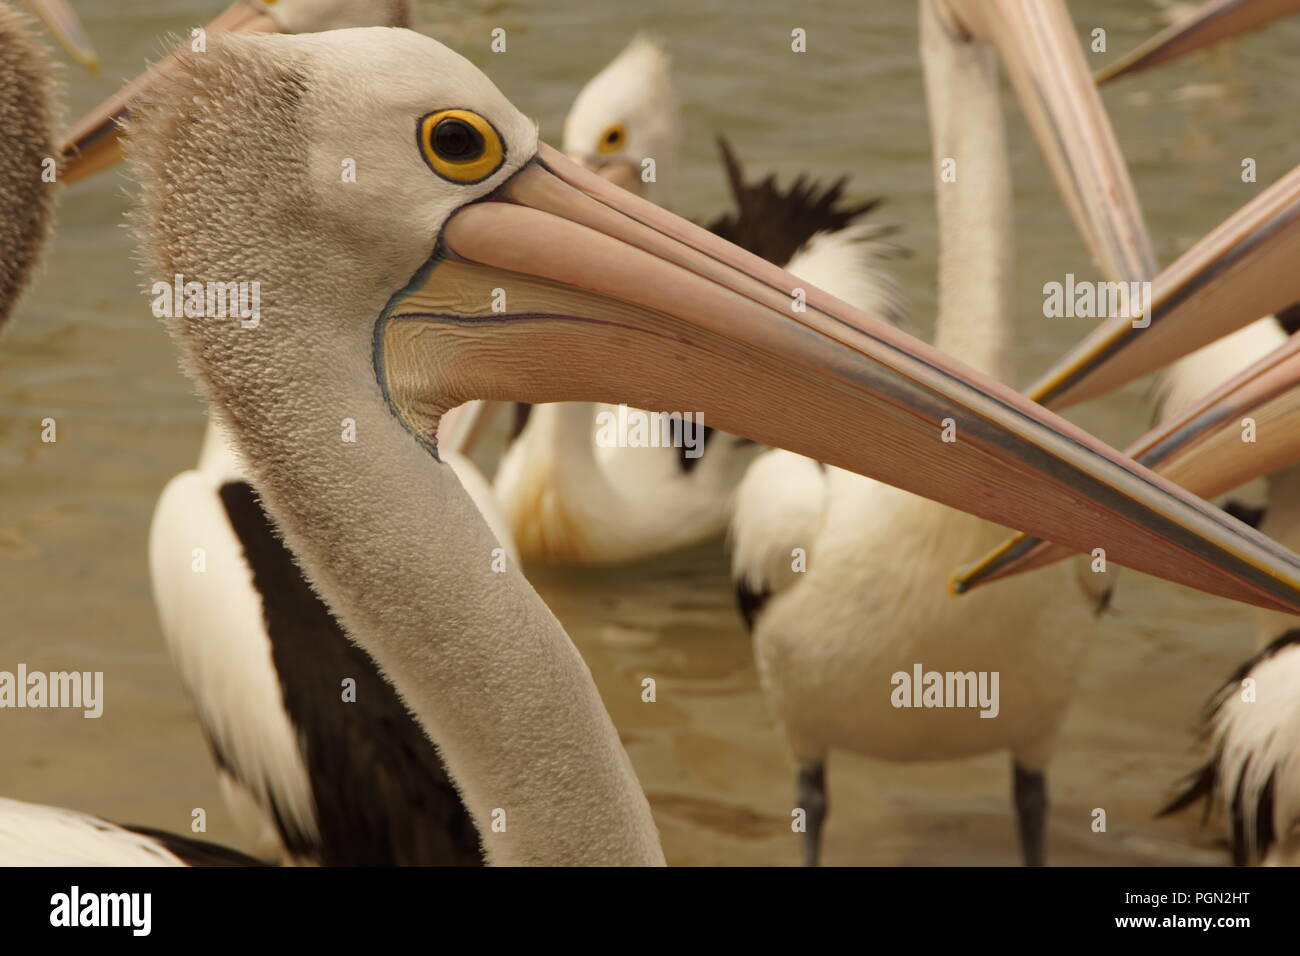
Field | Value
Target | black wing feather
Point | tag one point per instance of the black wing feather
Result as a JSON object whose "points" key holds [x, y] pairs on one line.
{"points": [[382, 794], [775, 222]]}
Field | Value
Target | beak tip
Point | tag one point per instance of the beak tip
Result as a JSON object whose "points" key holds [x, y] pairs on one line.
{"points": [[1106, 74]]}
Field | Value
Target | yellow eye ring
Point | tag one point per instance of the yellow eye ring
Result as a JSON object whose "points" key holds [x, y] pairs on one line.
{"points": [[460, 146], [612, 140]]}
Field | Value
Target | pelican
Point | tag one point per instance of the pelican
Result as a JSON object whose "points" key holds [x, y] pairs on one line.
{"points": [[377, 304], [1252, 721], [567, 496], [625, 115], [261, 655], [832, 636], [1251, 724], [27, 106], [31, 833], [1254, 771]]}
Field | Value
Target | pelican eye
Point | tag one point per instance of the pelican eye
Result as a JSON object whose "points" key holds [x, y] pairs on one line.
{"points": [[457, 142], [612, 140], [460, 146]]}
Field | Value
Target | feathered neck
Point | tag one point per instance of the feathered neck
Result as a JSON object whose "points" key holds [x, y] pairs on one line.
{"points": [[973, 197]]}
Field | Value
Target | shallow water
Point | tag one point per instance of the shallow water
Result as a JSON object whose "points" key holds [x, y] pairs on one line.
{"points": [[84, 350]]}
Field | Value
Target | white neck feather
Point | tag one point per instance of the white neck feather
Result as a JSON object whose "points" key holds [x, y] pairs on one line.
{"points": [[975, 247]]}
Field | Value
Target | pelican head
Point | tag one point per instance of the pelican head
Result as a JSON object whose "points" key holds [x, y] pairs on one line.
{"points": [[416, 248], [626, 114], [94, 141]]}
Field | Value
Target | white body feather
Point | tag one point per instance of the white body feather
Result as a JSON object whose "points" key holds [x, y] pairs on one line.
{"points": [[1191, 378], [1255, 735], [36, 835], [212, 620], [568, 500], [779, 503]]}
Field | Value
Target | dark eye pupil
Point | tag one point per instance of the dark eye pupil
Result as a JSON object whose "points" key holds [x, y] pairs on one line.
{"points": [[612, 137], [455, 139]]}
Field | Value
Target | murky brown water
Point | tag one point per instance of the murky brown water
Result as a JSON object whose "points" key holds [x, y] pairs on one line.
{"points": [[74, 591]]}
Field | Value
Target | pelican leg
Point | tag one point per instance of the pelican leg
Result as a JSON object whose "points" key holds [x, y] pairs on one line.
{"points": [[1031, 813], [812, 799]]}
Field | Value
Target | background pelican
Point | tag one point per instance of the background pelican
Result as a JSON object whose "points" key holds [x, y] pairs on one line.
{"points": [[1251, 724], [871, 602], [568, 498], [1252, 776], [475, 652], [27, 117], [627, 114], [30, 833], [1252, 773], [36, 835]]}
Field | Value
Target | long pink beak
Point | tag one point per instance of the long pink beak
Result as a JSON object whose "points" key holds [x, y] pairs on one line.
{"points": [[1213, 21], [614, 299], [1248, 427]]}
